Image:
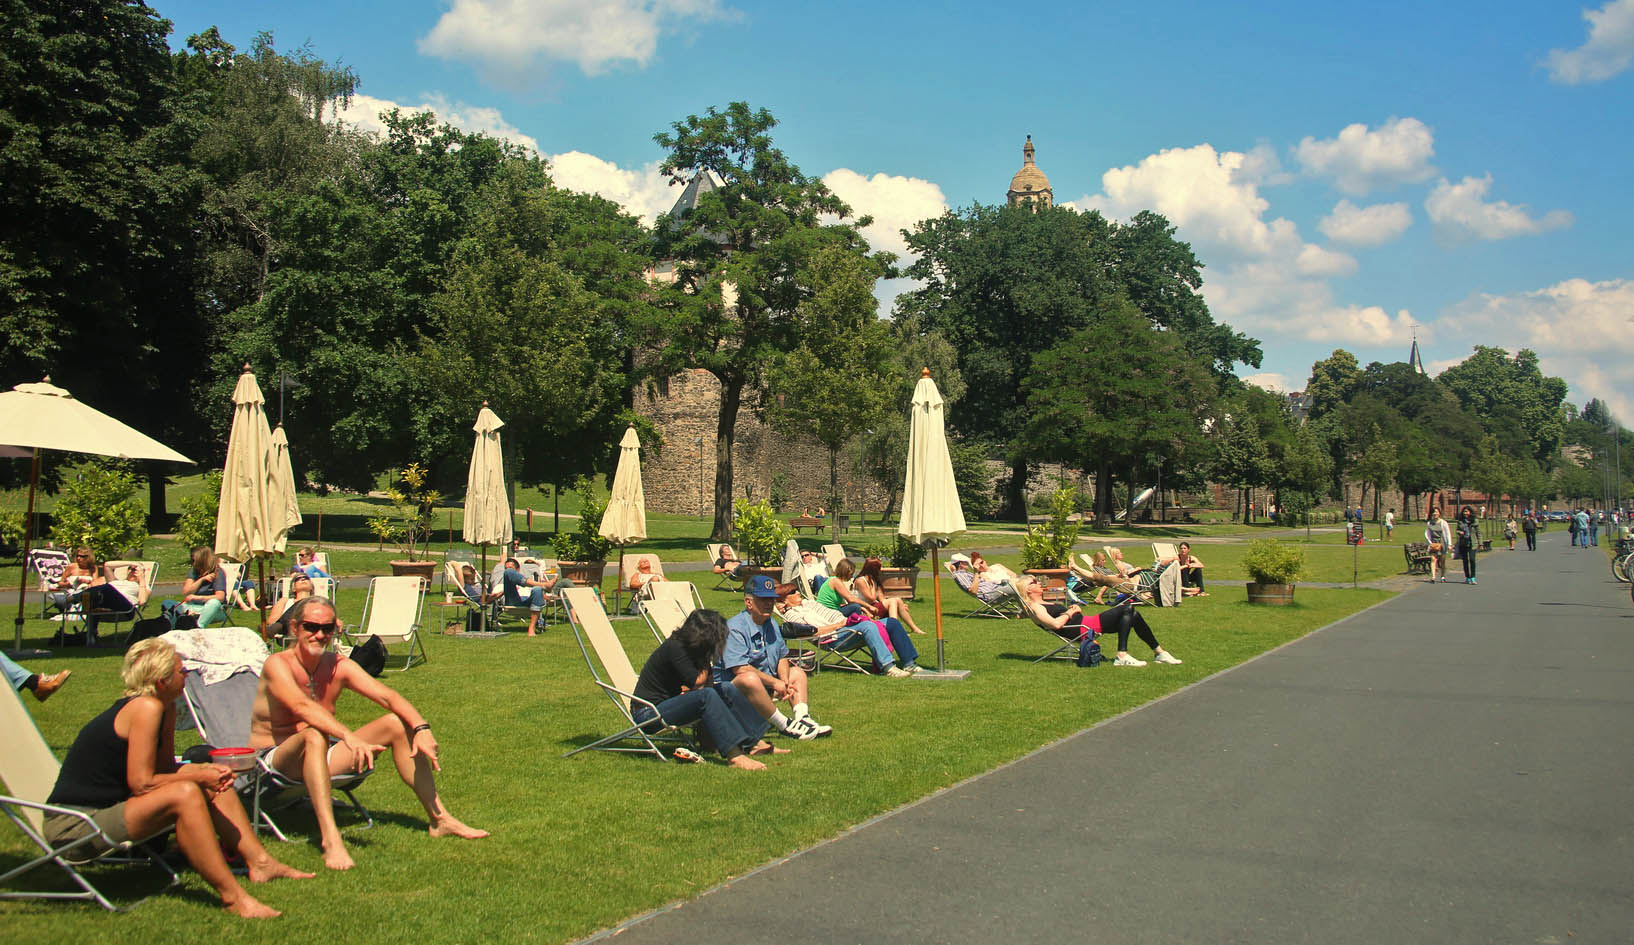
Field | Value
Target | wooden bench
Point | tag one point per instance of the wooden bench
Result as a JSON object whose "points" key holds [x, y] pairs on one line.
{"points": [[1418, 556], [806, 521]]}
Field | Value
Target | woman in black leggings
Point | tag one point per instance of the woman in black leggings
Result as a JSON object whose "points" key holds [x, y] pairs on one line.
{"points": [[1071, 622], [1469, 540]]}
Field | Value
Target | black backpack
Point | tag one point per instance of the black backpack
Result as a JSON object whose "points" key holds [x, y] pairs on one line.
{"points": [[371, 655]]}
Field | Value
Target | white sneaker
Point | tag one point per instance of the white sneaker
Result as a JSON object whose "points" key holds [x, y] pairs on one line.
{"points": [[1127, 660], [806, 728], [1166, 657], [897, 672]]}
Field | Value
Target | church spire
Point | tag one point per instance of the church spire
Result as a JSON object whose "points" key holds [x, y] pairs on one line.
{"points": [[1414, 359]]}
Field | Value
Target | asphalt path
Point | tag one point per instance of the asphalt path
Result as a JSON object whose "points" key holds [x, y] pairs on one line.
{"points": [[1451, 766]]}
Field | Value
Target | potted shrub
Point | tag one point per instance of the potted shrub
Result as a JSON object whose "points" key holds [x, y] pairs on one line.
{"points": [[761, 537], [1272, 568], [1046, 550], [901, 557], [407, 522], [582, 553]]}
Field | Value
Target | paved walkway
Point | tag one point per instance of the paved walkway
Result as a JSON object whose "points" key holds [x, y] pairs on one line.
{"points": [[1451, 766]]}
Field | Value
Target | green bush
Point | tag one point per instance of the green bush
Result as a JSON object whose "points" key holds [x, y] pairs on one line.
{"points": [[98, 507], [761, 535], [1269, 561], [897, 551], [1049, 545], [585, 542], [197, 524], [407, 524]]}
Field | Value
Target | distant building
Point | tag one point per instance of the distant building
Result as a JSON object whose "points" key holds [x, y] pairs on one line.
{"points": [[1299, 405], [1030, 186], [1414, 359]]}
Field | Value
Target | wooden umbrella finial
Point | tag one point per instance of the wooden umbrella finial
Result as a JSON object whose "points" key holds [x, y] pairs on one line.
{"points": [[924, 372]]}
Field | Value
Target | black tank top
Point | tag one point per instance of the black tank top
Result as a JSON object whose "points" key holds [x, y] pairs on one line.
{"points": [[93, 774]]}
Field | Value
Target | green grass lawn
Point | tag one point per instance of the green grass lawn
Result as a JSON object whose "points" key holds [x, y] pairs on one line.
{"points": [[581, 843]]}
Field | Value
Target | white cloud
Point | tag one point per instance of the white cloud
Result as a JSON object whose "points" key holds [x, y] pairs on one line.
{"points": [[1314, 260], [364, 114], [1366, 226], [1366, 326], [1276, 383], [1608, 50], [1460, 211], [513, 40], [1582, 331], [645, 193], [895, 203], [1360, 160]]}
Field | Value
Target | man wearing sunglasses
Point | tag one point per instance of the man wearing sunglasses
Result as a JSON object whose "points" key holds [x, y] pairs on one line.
{"points": [[294, 716]]}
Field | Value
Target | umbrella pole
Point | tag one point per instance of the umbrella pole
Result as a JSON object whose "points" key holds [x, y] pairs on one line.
{"points": [[482, 582], [261, 592], [617, 609], [936, 595], [319, 542], [22, 582]]}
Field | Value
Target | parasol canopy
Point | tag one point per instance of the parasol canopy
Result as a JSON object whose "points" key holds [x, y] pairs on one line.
{"points": [[487, 507]]}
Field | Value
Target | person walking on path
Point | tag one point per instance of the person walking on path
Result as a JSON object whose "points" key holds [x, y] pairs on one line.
{"points": [[1469, 541], [1438, 536], [1581, 519], [1529, 525], [1510, 529], [1389, 524]]}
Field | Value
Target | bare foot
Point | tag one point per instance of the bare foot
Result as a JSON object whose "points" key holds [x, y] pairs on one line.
{"points": [[337, 857], [745, 762], [449, 827], [767, 748], [46, 685], [270, 869], [248, 907]]}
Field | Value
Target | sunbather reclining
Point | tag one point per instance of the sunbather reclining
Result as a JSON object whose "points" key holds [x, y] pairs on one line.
{"points": [[294, 715], [642, 575], [990, 583], [1071, 623], [728, 564], [1102, 577], [897, 659]]}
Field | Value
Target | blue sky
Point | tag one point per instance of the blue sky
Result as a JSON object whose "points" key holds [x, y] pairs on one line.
{"points": [[1349, 174]]}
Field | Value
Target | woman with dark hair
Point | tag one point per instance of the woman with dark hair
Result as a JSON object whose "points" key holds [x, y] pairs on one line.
{"points": [[1072, 623], [675, 686], [121, 774], [836, 592], [1469, 540], [871, 590]]}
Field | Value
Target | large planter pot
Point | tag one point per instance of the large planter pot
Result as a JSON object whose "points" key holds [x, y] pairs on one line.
{"points": [[420, 569], [899, 582], [1054, 581], [583, 573], [1274, 595]]}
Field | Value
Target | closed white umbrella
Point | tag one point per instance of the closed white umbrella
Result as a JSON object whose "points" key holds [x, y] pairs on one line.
{"points": [[625, 520], [931, 514], [285, 506], [487, 507], [246, 526], [43, 416]]}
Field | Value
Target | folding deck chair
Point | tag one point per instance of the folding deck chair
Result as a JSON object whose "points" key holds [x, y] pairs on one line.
{"points": [[1162, 550], [981, 607], [664, 616], [616, 677], [29, 771], [683, 593], [221, 711], [48, 565], [146, 572], [833, 554], [392, 612], [723, 582]]}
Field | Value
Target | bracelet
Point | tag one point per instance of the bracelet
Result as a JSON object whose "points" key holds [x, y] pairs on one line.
{"points": [[422, 727]]}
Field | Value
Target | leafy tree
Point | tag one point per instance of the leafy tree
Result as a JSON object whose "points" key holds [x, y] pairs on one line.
{"points": [[742, 263], [1333, 380], [1512, 397], [98, 508], [197, 524], [1243, 460], [1306, 472], [1491, 471], [1378, 465], [884, 456]]}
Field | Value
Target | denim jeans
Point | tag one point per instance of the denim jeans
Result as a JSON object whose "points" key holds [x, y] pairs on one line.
{"points": [[15, 675], [533, 601], [727, 718]]}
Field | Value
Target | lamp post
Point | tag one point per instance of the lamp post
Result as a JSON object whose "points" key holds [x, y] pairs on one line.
{"points": [[862, 490], [700, 443]]}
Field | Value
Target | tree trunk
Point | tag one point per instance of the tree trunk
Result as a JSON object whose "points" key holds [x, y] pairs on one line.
{"points": [[725, 428], [1015, 494], [1103, 495], [834, 492], [157, 513]]}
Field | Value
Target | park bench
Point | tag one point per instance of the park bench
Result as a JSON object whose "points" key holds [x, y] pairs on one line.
{"points": [[806, 521], [1417, 554]]}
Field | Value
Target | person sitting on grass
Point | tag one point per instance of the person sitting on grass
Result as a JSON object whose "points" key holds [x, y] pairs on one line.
{"points": [[896, 659], [756, 660], [121, 772], [1071, 623], [979, 579], [19, 679], [675, 684], [294, 716], [870, 587]]}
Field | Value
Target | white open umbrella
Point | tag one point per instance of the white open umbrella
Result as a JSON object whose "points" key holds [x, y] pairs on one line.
{"points": [[45, 417], [285, 506], [625, 520], [487, 507], [247, 526], [931, 514]]}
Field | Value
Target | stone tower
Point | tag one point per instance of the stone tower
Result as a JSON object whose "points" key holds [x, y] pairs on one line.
{"points": [[1030, 186]]}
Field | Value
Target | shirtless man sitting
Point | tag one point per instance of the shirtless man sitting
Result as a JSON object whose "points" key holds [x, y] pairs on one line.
{"points": [[295, 711]]}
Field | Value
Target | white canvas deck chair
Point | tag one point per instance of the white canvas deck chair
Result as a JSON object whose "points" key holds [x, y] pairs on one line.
{"points": [[321, 587], [723, 582], [664, 616], [1162, 550], [833, 554], [146, 572], [1003, 609], [221, 711], [48, 565], [392, 612], [683, 593], [230, 575], [610, 669], [29, 771]]}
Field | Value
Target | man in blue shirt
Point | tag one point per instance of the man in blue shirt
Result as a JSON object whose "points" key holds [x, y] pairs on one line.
{"points": [[523, 591], [757, 662]]}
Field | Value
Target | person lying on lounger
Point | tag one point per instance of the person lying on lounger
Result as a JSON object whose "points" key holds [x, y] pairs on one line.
{"points": [[294, 715], [896, 659], [1071, 622], [981, 579]]}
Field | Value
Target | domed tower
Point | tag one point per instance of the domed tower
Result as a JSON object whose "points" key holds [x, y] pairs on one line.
{"points": [[1030, 186]]}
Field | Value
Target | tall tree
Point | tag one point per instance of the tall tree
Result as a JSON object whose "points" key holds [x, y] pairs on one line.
{"points": [[884, 455], [742, 263], [1511, 396], [1333, 380]]}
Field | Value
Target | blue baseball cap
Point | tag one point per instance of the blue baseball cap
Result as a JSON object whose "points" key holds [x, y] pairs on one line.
{"points": [[761, 586]]}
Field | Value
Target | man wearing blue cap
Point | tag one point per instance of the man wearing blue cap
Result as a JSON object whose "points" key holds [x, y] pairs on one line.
{"points": [[757, 662]]}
